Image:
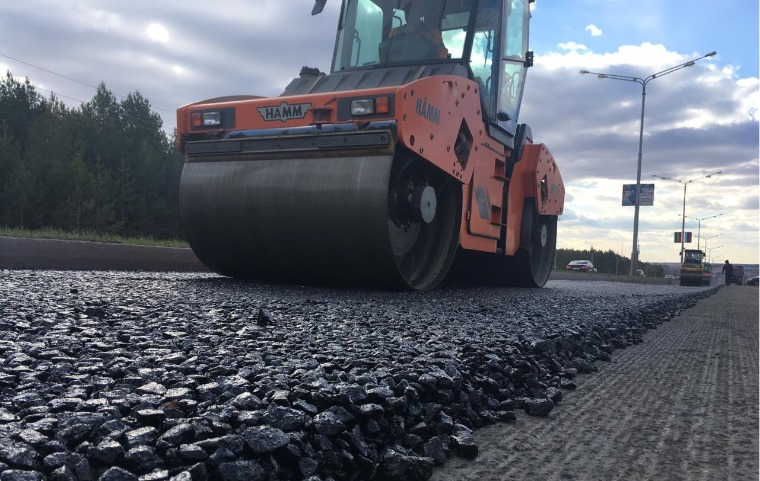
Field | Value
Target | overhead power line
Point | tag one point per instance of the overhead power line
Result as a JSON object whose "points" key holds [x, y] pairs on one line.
{"points": [[69, 78], [137, 122], [59, 94], [49, 71]]}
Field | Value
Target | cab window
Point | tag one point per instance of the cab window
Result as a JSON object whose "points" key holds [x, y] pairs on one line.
{"points": [[513, 58], [359, 36]]}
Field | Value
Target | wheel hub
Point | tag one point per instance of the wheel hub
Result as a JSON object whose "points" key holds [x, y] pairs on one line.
{"points": [[543, 236], [424, 201]]}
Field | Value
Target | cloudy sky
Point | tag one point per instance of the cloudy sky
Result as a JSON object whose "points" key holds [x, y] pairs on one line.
{"points": [[698, 120]]}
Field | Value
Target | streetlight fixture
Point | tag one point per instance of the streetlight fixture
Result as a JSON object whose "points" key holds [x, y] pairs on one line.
{"points": [[683, 215], [643, 82], [710, 237], [699, 227], [710, 256]]}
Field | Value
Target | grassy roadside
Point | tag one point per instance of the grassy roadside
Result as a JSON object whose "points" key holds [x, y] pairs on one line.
{"points": [[49, 233]]}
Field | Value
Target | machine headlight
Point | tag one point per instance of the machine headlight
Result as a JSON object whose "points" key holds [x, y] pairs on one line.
{"points": [[206, 119], [363, 107], [377, 105], [212, 119]]}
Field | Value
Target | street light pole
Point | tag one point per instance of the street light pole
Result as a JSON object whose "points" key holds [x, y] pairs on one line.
{"points": [[699, 227], [707, 238], [683, 215], [713, 249], [643, 82]]}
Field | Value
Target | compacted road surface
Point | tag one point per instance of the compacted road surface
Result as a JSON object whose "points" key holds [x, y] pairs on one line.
{"points": [[683, 405]]}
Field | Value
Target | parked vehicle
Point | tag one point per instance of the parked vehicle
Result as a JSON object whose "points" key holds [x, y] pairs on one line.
{"points": [[581, 266], [738, 276]]}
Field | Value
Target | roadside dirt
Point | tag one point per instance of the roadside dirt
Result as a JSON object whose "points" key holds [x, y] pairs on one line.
{"points": [[683, 405]]}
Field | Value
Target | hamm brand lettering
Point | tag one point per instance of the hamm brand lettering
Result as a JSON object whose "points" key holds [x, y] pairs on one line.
{"points": [[428, 111], [284, 112]]}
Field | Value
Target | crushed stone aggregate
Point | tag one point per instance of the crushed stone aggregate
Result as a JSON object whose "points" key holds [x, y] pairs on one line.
{"points": [[174, 376]]}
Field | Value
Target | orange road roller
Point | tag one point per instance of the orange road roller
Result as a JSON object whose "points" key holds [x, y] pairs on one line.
{"points": [[405, 166]]}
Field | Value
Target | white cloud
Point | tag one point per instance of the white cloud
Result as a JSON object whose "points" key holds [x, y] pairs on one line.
{"points": [[91, 18], [572, 47], [157, 33], [654, 57], [593, 30]]}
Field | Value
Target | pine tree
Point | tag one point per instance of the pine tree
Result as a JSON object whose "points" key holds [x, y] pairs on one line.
{"points": [[107, 165], [10, 159], [19, 106]]}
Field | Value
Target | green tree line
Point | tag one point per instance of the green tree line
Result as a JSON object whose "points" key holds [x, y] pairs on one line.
{"points": [[106, 166], [607, 262]]}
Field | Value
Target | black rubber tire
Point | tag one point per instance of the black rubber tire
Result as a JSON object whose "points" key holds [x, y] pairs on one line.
{"points": [[534, 260], [531, 265], [425, 265]]}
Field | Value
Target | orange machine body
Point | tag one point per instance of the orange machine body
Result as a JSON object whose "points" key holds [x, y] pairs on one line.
{"points": [[436, 118]]}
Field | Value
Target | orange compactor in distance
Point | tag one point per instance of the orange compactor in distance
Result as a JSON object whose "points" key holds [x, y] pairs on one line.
{"points": [[404, 166]]}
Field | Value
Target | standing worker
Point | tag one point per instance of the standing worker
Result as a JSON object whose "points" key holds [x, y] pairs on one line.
{"points": [[728, 271]]}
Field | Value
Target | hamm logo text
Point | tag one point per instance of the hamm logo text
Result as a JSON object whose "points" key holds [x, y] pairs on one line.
{"points": [[428, 111], [284, 112]]}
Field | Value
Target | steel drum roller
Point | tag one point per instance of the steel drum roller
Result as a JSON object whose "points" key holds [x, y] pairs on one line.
{"points": [[344, 220]]}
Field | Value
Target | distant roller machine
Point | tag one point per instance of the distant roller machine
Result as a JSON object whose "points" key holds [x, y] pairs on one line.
{"points": [[694, 272]]}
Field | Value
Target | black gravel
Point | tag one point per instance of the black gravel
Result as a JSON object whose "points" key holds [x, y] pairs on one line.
{"points": [[136, 376]]}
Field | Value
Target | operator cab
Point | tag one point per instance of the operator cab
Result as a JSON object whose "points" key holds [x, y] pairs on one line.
{"points": [[693, 257], [489, 38]]}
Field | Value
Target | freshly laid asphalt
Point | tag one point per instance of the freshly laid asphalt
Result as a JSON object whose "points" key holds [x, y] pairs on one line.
{"points": [[682, 405]]}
